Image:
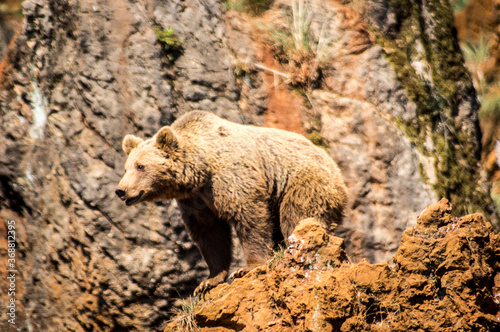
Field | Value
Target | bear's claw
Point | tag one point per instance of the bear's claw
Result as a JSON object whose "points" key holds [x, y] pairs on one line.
{"points": [[241, 272], [210, 283]]}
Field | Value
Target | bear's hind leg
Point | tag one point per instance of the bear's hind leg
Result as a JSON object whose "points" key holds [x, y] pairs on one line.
{"points": [[255, 233], [312, 196], [213, 238]]}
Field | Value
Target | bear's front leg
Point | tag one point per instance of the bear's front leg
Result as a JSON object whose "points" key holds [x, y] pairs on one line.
{"points": [[213, 238]]}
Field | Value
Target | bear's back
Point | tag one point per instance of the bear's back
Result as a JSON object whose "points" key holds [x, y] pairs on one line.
{"points": [[227, 142], [211, 128]]}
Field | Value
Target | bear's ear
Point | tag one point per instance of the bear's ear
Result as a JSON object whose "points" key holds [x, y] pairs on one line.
{"points": [[165, 139], [130, 142]]}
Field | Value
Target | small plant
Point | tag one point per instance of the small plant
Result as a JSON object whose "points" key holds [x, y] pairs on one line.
{"points": [[241, 68], [477, 57], [184, 316], [171, 43], [277, 257], [294, 38], [300, 26], [476, 54], [297, 47], [458, 5], [490, 102]]}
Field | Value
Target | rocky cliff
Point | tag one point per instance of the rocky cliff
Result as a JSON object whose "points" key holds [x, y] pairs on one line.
{"points": [[381, 86]]}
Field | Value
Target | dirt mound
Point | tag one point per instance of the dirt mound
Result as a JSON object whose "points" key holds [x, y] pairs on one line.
{"points": [[445, 277]]}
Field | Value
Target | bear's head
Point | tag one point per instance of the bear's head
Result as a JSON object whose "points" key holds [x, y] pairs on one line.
{"points": [[153, 170]]}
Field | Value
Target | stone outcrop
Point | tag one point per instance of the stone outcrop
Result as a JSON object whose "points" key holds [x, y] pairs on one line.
{"points": [[444, 277], [80, 76]]}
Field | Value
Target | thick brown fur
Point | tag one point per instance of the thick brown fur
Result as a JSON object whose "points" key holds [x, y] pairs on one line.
{"points": [[260, 181]]}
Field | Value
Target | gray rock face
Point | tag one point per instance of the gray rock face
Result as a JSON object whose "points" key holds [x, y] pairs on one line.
{"points": [[381, 170], [83, 74]]}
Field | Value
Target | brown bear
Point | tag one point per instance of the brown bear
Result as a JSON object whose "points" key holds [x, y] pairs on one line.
{"points": [[261, 181]]}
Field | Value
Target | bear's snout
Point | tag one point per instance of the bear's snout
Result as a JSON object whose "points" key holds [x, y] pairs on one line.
{"points": [[120, 193], [124, 196]]}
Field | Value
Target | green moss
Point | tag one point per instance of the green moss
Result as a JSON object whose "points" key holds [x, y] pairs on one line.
{"points": [[318, 140], [443, 53], [422, 173], [437, 100], [171, 43]]}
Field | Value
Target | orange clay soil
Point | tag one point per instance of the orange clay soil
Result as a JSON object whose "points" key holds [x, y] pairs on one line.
{"points": [[444, 277]]}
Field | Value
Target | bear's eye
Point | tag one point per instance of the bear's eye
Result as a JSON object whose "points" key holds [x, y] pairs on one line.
{"points": [[140, 167]]}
